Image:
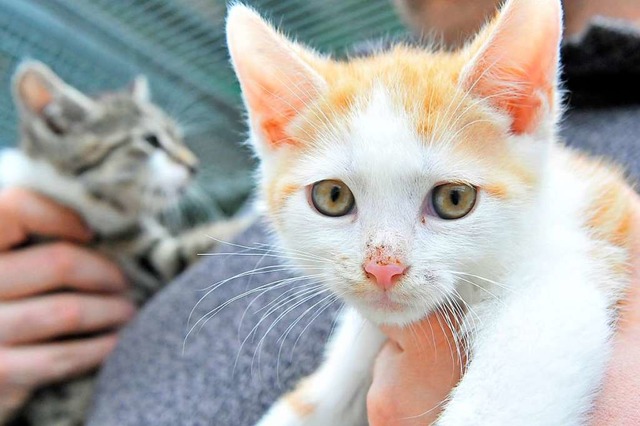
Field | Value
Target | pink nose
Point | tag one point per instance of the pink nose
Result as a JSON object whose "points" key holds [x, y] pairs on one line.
{"points": [[384, 274]]}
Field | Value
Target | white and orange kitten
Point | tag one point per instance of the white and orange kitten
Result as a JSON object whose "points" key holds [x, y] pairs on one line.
{"points": [[417, 177]]}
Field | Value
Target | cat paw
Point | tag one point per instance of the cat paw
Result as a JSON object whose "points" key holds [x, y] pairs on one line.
{"points": [[294, 409], [282, 414]]}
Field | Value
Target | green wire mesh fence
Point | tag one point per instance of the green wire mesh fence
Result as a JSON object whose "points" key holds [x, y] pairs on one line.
{"points": [[179, 45]]}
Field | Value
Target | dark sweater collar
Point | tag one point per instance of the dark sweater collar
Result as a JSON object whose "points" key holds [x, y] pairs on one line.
{"points": [[602, 65]]}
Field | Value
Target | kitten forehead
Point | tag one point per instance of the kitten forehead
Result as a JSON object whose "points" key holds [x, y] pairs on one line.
{"points": [[380, 146], [390, 130], [382, 137]]}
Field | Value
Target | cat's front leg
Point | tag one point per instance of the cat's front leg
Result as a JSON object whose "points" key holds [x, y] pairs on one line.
{"points": [[203, 238], [336, 393], [540, 358], [153, 257]]}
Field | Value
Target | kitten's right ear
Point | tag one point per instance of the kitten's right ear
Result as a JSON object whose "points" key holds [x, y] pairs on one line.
{"points": [[276, 79], [140, 90], [39, 91], [515, 62]]}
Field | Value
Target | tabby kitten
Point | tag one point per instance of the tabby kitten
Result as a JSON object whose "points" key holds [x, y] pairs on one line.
{"points": [[118, 160], [415, 180]]}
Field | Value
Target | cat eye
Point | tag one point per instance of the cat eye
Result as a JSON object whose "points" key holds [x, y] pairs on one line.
{"points": [[453, 200], [332, 198], [152, 140]]}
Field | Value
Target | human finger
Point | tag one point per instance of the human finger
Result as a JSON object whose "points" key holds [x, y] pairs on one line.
{"points": [[54, 266], [409, 385], [24, 213], [37, 365], [12, 398], [396, 396], [47, 317]]}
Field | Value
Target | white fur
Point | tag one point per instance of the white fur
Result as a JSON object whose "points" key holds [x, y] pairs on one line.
{"points": [[391, 172], [167, 174], [537, 285], [539, 321], [339, 388], [17, 169]]}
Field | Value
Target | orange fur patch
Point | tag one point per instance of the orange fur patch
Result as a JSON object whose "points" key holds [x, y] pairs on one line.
{"points": [[278, 193], [423, 81], [297, 399], [497, 190], [424, 86], [274, 131], [287, 190], [610, 214]]}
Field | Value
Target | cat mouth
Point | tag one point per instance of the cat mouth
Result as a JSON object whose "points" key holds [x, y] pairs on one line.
{"points": [[382, 301]]}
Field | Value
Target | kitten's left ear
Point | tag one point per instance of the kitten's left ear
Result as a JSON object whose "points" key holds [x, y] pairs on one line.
{"points": [[276, 76], [38, 91], [515, 62], [140, 89]]}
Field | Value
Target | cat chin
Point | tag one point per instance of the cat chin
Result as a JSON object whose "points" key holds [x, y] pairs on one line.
{"points": [[395, 315]]}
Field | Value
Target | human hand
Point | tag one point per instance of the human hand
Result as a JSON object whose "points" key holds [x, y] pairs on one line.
{"points": [[414, 372], [33, 310]]}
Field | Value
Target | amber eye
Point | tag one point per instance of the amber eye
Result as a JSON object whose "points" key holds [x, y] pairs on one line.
{"points": [[332, 198], [453, 200]]}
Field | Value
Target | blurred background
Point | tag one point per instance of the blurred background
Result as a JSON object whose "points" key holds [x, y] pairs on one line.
{"points": [[101, 45]]}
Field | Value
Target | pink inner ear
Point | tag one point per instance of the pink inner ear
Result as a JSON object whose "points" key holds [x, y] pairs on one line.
{"points": [[274, 106], [522, 93], [34, 92], [517, 65], [277, 81]]}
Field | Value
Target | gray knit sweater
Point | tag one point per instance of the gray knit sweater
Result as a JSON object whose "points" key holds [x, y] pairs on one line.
{"points": [[223, 374]]}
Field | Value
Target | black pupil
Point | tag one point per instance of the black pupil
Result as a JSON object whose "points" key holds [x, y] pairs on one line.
{"points": [[152, 140], [455, 197], [335, 193]]}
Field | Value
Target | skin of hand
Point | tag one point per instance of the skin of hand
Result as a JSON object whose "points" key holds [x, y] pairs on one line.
{"points": [[415, 371], [413, 374], [48, 291]]}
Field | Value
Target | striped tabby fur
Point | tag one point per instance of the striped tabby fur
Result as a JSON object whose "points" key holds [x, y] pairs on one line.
{"points": [[118, 160]]}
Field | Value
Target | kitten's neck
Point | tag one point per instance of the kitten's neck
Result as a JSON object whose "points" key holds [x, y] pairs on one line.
{"points": [[17, 169]]}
